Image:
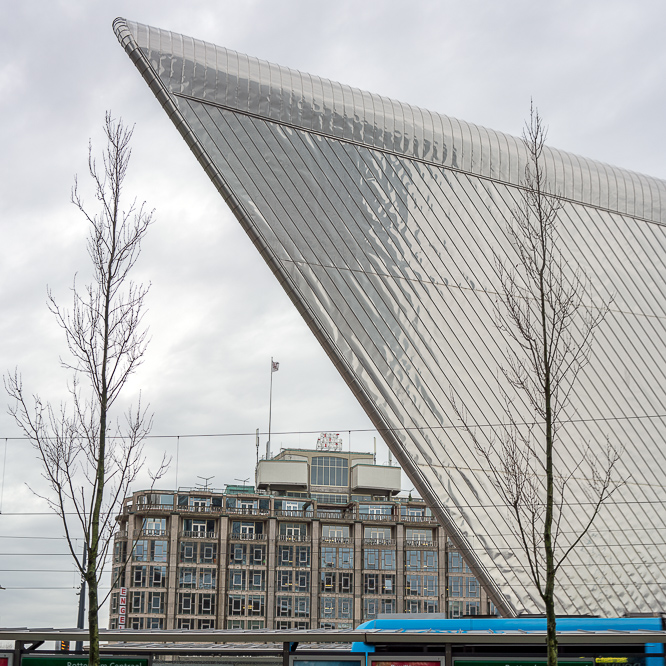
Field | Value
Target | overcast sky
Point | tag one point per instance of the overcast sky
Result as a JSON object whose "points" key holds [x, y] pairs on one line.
{"points": [[595, 68]]}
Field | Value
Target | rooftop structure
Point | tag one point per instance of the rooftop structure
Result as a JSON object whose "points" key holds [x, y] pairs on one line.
{"points": [[380, 220]]}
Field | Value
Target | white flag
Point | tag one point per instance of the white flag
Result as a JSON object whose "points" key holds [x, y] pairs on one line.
{"points": [[275, 366]]}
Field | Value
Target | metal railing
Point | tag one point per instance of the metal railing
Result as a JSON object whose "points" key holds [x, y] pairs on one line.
{"points": [[293, 537], [378, 542], [335, 539], [245, 536], [196, 534]]}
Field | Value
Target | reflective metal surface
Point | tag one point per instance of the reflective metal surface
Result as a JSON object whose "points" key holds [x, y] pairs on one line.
{"points": [[379, 220]]}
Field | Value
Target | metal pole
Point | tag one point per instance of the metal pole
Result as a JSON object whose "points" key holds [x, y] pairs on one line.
{"points": [[82, 600], [270, 409]]}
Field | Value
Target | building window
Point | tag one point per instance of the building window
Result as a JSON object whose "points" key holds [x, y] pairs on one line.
{"points": [[120, 552], [185, 623], [155, 602], [345, 558], [430, 560], [302, 606], [370, 583], [328, 580], [140, 551], [413, 560], [208, 553], [327, 607], [370, 609], [472, 607], [430, 606], [456, 587], [137, 602], [187, 577], [284, 582], [457, 563], [206, 604], [303, 556], [328, 558], [388, 606], [208, 623], [371, 558], [235, 624], [472, 587], [237, 580], [236, 604], [255, 624], [420, 535], [207, 579], [188, 552], [335, 531], [413, 585], [294, 531], [136, 623], [158, 576], [329, 471], [375, 509], [388, 584], [429, 586], [158, 551], [185, 603], [285, 556], [139, 576], [154, 526], [345, 607], [255, 605], [257, 580], [377, 533], [388, 559], [412, 606], [283, 606], [154, 623], [346, 582], [282, 624], [302, 581], [258, 555]]}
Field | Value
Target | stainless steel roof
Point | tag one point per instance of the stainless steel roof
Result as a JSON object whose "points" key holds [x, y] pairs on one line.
{"points": [[379, 220]]}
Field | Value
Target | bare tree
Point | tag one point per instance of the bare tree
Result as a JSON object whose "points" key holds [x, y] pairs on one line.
{"points": [[89, 457], [547, 316]]}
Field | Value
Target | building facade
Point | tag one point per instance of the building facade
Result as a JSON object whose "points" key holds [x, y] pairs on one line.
{"points": [[323, 540]]}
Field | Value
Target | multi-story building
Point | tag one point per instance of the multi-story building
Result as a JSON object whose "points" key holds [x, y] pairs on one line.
{"points": [[322, 540]]}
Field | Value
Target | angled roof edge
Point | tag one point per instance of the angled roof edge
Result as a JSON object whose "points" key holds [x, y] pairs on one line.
{"points": [[290, 97], [310, 317]]}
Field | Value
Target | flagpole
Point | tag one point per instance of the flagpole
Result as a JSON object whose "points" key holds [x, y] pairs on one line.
{"points": [[270, 410]]}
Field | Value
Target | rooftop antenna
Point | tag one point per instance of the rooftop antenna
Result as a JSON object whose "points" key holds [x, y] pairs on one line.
{"points": [[243, 481], [205, 479]]}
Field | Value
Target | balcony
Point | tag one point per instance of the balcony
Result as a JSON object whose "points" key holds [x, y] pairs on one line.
{"points": [[378, 517], [238, 536], [151, 533], [148, 508], [196, 534], [246, 511], [419, 543], [379, 542], [418, 519], [335, 539], [293, 537], [283, 513]]}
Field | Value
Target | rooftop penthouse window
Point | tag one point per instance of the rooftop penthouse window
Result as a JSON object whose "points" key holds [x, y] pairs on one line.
{"points": [[329, 471]]}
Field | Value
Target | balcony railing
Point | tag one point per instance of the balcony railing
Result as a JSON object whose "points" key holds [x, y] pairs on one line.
{"points": [[285, 513], [418, 519], [196, 534], [151, 533], [246, 511], [380, 517], [120, 534], [335, 539], [379, 542], [243, 536], [293, 537], [419, 543]]}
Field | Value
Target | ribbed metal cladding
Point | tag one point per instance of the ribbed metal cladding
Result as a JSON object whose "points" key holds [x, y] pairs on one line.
{"points": [[380, 219]]}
